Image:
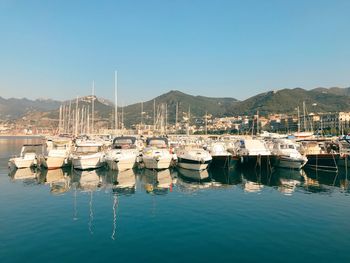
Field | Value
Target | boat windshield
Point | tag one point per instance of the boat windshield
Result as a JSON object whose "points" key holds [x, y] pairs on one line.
{"points": [[88, 149], [157, 143]]}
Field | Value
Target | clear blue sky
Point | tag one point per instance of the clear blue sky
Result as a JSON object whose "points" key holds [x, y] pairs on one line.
{"points": [[55, 49]]}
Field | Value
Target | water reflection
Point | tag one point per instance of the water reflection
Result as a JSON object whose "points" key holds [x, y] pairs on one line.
{"points": [[58, 180], [157, 182], [287, 182]]}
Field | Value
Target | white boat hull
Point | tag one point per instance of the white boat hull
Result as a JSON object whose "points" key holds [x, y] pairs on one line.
{"points": [[121, 164], [290, 163], [157, 163], [19, 162], [85, 162], [193, 166], [54, 162]]}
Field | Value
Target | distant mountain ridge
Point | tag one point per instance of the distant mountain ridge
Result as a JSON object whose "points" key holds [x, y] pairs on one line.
{"points": [[13, 108], [279, 101]]}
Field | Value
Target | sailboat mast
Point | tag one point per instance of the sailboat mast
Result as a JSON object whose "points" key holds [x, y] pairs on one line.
{"points": [[141, 112], [206, 123], [304, 115], [60, 120], [76, 117], [69, 117], [298, 119], [166, 118], [116, 100], [154, 114], [176, 113], [93, 107], [257, 122], [122, 125]]}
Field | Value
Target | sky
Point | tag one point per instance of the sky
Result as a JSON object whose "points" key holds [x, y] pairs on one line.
{"points": [[218, 48]]}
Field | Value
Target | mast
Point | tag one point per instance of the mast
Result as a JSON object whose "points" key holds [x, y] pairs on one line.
{"points": [[188, 122], [257, 122], [166, 118], [69, 116], [298, 119], [76, 117], [116, 100], [141, 112], [93, 107], [154, 114], [88, 120], [176, 113], [206, 123], [304, 115], [122, 116], [60, 120]]}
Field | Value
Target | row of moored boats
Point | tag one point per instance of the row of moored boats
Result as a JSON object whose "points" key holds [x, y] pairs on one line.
{"points": [[126, 152]]}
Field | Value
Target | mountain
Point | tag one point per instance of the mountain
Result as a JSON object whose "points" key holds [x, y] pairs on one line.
{"points": [[197, 105], [334, 90], [46, 112], [287, 100], [15, 108]]}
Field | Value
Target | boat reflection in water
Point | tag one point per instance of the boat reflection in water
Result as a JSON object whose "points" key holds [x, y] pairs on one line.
{"points": [[58, 180], [24, 173], [157, 182], [190, 180], [125, 182], [325, 183], [29, 176], [289, 180], [90, 180], [286, 181]]}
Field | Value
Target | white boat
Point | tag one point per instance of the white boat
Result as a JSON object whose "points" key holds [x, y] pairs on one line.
{"points": [[29, 156], [192, 158], [221, 157], [286, 154], [157, 154], [123, 154], [88, 155], [58, 154], [252, 152]]}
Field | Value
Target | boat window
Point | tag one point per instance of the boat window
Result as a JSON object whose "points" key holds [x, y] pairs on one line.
{"points": [[158, 143], [87, 149], [291, 146]]}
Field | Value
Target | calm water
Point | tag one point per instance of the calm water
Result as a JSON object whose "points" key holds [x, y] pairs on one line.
{"points": [[171, 216]]}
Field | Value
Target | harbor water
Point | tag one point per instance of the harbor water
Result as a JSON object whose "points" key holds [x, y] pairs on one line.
{"points": [[174, 215]]}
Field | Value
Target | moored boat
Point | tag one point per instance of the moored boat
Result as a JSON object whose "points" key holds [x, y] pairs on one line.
{"points": [[192, 158], [157, 154]]}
